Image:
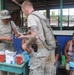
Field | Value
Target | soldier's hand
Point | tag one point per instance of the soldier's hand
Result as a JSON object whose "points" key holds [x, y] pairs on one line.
{"points": [[8, 38]]}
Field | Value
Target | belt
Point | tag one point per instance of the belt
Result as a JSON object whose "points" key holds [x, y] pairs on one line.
{"points": [[39, 46]]}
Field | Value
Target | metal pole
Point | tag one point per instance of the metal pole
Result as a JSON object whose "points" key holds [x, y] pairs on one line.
{"points": [[61, 14], [2, 4], [21, 16]]}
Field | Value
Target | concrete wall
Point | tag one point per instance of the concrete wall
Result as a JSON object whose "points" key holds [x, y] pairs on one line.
{"points": [[63, 32]]}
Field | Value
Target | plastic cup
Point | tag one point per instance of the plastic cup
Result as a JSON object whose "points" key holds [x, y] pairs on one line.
{"points": [[19, 59], [2, 56]]}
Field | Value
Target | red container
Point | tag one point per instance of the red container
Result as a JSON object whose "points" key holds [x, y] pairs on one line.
{"points": [[2, 57], [19, 59]]}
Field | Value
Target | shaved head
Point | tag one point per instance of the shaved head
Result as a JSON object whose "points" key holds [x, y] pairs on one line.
{"points": [[27, 7], [27, 4]]}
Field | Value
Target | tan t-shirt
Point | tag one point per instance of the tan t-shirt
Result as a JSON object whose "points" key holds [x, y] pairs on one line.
{"points": [[5, 30], [34, 21]]}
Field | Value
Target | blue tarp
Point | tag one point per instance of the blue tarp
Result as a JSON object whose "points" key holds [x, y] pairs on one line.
{"points": [[62, 40]]}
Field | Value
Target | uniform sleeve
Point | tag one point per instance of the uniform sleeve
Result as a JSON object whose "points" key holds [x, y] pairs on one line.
{"points": [[13, 24], [31, 21]]}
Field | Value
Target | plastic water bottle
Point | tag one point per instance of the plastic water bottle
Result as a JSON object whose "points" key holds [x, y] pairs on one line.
{"points": [[63, 60], [67, 66]]}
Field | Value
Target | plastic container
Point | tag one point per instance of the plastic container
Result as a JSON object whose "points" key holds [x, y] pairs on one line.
{"points": [[2, 56], [19, 59]]}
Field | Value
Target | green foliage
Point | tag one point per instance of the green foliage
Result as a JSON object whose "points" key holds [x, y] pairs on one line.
{"points": [[53, 13], [44, 12]]}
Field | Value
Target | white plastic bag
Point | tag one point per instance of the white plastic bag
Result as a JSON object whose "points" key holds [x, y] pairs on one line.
{"points": [[10, 57]]}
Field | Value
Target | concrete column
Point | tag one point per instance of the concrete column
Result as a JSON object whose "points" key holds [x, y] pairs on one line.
{"points": [[61, 1], [0, 5]]}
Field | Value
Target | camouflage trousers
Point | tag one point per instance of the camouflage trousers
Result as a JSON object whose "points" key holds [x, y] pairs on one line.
{"points": [[43, 65], [6, 46]]}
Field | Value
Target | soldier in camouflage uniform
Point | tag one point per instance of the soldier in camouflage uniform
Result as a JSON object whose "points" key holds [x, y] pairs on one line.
{"points": [[42, 61], [6, 42]]}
